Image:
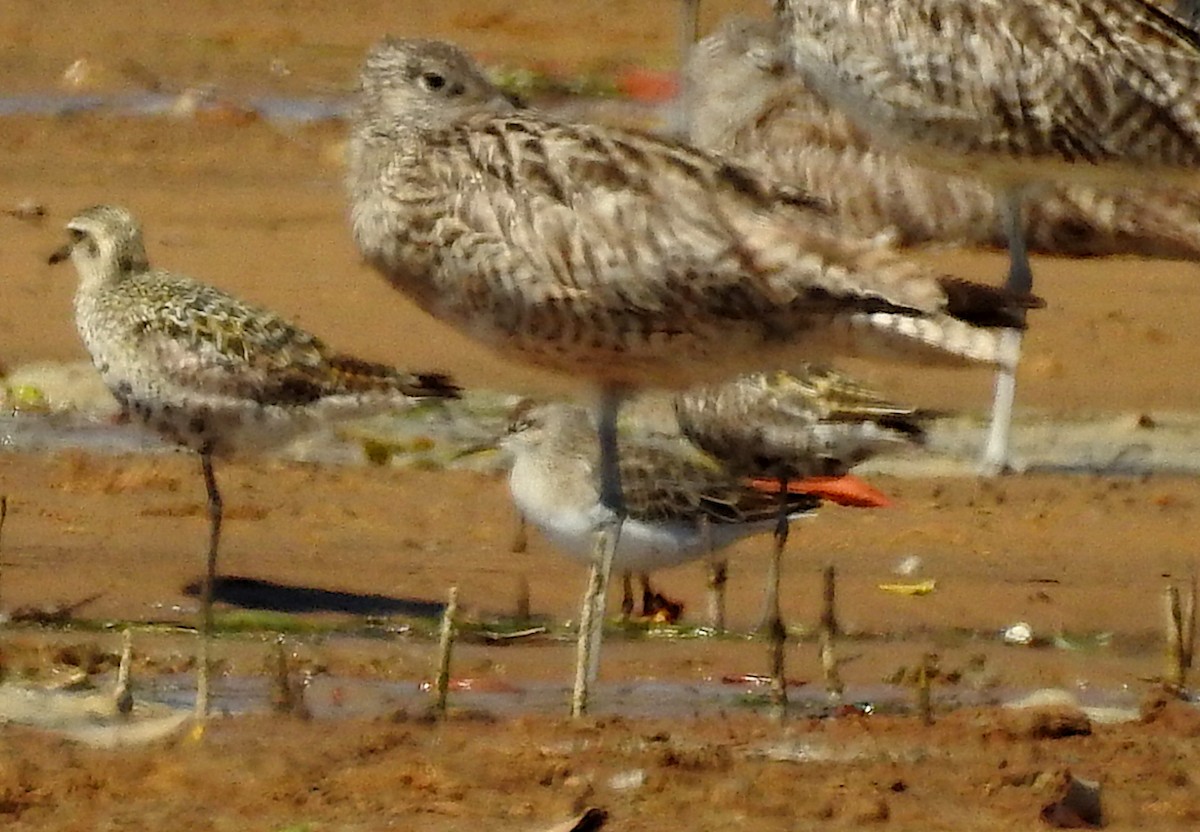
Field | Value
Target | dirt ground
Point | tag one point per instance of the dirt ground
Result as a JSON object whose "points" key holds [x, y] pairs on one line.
{"points": [[256, 207]]}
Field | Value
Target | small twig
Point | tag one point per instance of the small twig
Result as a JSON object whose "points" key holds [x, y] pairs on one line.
{"points": [[591, 618], [581, 690], [829, 666], [123, 693], [493, 637], [1176, 670], [522, 611], [828, 630], [829, 619], [925, 675], [287, 696], [1189, 621], [445, 648], [718, 576], [3, 515], [777, 654]]}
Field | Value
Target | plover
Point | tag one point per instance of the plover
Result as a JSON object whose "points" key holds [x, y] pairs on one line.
{"points": [[1016, 92], [208, 371], [625, 259], [749, 105]]}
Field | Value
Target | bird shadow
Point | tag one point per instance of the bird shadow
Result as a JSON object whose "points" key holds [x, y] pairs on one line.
{"points": [[255, 593]]}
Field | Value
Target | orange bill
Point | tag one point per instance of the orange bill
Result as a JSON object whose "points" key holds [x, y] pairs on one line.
{"points": [[846, 490]]}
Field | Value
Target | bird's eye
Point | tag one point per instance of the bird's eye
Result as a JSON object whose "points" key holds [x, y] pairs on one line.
{"points": [[75, 234], [433, 81]]}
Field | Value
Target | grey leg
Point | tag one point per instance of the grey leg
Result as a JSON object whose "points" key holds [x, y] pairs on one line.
{"points": [[648, 592], [1020, 278], [626, 596], [718, 576], [203, 688], [776, 631]]}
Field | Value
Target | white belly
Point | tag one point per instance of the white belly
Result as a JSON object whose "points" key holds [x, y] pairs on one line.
{"points": [[643, 547]]}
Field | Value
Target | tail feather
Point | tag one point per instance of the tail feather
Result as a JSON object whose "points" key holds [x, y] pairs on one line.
{"points": [[929, 340], [354, 375], [987, 306]]}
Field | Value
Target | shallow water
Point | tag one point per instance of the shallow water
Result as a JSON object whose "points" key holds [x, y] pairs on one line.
{"points": [[329, 697], [271, 107], [1114, 446]]}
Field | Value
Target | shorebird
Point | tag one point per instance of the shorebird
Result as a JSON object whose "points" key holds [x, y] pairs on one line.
{"points": [[1015, 92], [208, 371], [620, 258], [749, 105], [788, 427], [682, 503]]}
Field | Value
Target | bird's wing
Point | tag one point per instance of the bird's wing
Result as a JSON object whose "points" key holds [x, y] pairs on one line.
{"points": [[833, 395], [549, 213], [210, 343], [671, 481]]}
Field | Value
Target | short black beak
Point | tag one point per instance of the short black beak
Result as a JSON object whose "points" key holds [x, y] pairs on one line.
{"points": [[60, 254]]}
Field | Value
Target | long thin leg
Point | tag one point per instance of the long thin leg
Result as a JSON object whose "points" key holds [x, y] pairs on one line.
{"points": [[776, 630], [718, 576], [626, 595], [203, 689], [608, 537], [1020, 278], [649, 600]]}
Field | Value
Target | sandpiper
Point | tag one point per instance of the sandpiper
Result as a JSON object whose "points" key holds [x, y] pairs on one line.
{"points": [[625, 259], [682, 503], [208, 371], [749, 105], [1016, 92], [814, 425]]}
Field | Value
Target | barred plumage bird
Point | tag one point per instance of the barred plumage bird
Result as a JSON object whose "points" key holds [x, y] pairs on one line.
{"points": [[1016, 92], [618, 257], [633, 260], [208, 371]]}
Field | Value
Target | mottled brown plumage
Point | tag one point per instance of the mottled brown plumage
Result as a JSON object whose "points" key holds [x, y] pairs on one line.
{"points": [[208, 371], [811, 422], [617, 257], [627, 258], [204, 368]]}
